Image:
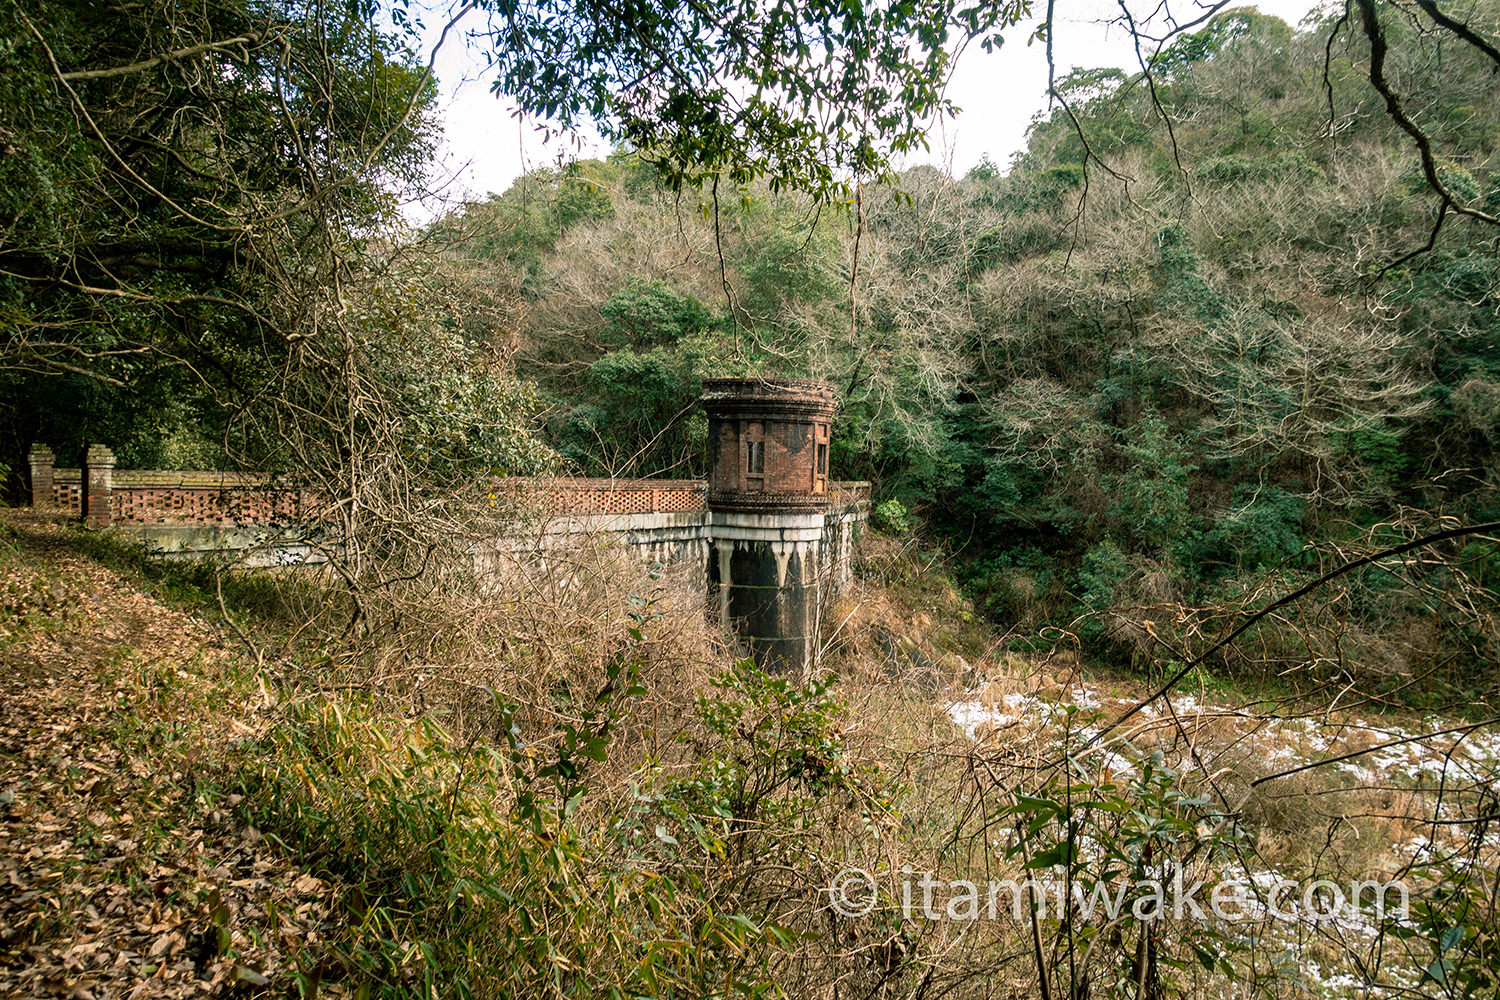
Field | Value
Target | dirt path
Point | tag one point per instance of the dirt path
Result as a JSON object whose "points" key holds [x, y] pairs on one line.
{"points": [[123, 871]]}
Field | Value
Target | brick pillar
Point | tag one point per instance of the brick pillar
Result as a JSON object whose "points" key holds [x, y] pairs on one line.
{"points": [[42, 463], [98, 482]]}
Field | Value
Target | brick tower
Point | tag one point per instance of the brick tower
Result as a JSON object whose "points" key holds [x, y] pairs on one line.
{"points": [[767, 501]]}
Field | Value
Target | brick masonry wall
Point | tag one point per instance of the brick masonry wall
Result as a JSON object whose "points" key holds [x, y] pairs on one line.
{"points": [[725, 473], [189, 497], [789, 457], [98, 486], [206, 505], [849, 493], [785, 423], [172, 497], [141, 496], [576, 496], [67, 491]]}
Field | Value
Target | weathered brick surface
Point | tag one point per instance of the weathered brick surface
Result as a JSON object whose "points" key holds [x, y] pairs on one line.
{"points": [[98, 476], [207, 505], [67, 490], [42, 466], [848, 493], [785, 420], [140, 496], [576, 496]]}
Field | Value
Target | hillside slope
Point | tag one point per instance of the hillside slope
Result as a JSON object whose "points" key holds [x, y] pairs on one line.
{"points": [[181, 815], [127, 870]]}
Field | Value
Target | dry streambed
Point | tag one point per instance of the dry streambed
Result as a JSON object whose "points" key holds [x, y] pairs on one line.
{"points": [[1324, 795]]}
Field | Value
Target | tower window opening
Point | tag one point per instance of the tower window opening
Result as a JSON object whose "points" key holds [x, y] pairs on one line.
{"points": [[757, 458]]}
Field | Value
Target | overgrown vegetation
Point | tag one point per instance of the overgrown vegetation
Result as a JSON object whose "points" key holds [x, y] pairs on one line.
{"points": [[1183, 561], [627, 818], [1136, 373]]}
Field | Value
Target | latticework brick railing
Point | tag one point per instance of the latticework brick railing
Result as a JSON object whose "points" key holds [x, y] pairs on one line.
{"points": [[562, 496], [137, 496], [140, 496], [67, 490], [849, 493]]}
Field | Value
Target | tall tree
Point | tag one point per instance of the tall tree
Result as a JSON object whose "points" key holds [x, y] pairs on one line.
{"points": [[180, 192]]}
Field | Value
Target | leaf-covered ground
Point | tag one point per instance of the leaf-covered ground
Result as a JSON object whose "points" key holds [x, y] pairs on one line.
{"points": [[123, 872]]}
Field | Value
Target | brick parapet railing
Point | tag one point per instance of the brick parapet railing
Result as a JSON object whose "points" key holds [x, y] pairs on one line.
{"points": [[852, 492], [144, 496], [580, 497], [567, 496], [67, 490]]}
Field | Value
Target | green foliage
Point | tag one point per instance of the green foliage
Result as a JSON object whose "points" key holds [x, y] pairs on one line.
{"points": [[893, 517], [448, 883], [984, 170], [162, 239], [479, 870], [1000, 487], [1453, 923], [1012, 584], [802, 94], [515, 230], [647, 314], [1241, 26], [464, 415], [1377, 450], [778, 749], [1459, 182], [1104, 567], [1109, 125], [1262, 528], [1037, 191], [1119, 838], [1238, 168], [784, 267], [1151, 496], [1185, 289], [1472, 278], [644, 415], [580, 199], [1014, 241]]}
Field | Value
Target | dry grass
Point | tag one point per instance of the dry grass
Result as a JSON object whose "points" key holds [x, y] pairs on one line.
{"points": [[877, 776]]}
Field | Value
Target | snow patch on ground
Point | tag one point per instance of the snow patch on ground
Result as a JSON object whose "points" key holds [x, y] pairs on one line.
{"points": [[1373, 752]]}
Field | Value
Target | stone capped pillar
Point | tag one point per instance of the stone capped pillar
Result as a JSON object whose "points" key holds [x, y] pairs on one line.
{"points": [[98, 483], [767, 502], [42, 464]]}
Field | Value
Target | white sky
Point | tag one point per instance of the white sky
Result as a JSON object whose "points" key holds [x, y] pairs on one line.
{"points": [[486, 146]]}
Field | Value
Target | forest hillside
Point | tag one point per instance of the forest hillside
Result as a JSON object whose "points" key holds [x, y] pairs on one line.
{"points": [[1198, 332]]}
